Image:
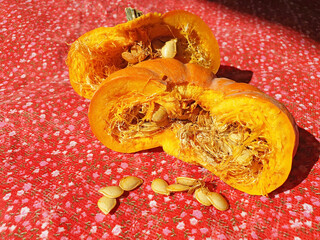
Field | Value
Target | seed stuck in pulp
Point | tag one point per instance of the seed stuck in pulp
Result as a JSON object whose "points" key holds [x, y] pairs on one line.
{"points": [[169, 50], [130, 182], [106, 204], [137, 53], [160, 116], [159, 185], [111, 191]]}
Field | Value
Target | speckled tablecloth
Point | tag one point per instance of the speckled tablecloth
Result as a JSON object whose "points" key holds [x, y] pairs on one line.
{"points": [[52, 166]]}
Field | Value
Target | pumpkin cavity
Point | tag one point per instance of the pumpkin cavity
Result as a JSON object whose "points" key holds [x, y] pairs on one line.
{"points": [[194, 51], [134, 116], [235, 149], [183, 45]]}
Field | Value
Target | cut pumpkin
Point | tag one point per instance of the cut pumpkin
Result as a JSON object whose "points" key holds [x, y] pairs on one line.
{"points": [[236, 131], [102, 51]]}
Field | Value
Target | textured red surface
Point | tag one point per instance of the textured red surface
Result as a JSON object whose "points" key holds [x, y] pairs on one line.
{"points": [[52, 166]]}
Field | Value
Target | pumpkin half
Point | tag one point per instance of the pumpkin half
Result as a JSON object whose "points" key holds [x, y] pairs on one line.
{"points": [[236, 131], [102, 51]]}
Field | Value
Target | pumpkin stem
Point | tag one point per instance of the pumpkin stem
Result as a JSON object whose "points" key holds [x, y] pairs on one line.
{"points": [[132, 13]]}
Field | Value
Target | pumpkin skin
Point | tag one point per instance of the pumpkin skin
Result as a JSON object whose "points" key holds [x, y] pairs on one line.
{"points": [[98, 53], [234, 130]]}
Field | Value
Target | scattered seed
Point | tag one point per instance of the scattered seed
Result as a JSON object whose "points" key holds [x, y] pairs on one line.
{"points": [[106, 204], [111, 191], [186, 181], [201, 195], [130, 182], [159, 185], [176, 187], [193, 186], [218, 201], [169, 50]]}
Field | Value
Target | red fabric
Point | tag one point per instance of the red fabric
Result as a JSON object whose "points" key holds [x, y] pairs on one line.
{"points": [[52, 166]]}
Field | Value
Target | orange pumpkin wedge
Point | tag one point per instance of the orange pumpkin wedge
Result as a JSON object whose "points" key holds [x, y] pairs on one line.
{"points": [[236, 131], [102, 51]]}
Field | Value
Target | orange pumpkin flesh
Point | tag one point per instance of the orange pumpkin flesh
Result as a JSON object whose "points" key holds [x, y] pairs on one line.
{"points": [[233, 129], [113, 104], [100, 52]]}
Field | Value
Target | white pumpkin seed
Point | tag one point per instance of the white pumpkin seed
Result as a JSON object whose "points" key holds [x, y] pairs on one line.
{"points": [[186, 181], [130, 182], [235, 137], [244, 158], [201, 195], [169, 50], [106, 204], [176, 187], [111, 191], [159, 185], [218, 201]]}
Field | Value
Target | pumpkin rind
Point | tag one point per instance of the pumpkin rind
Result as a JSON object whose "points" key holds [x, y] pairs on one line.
{"points": [[236, 131], [98, 53]]}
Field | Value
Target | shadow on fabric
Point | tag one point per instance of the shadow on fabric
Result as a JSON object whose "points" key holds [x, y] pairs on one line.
{"points": [[236, 74], [300, 15]]}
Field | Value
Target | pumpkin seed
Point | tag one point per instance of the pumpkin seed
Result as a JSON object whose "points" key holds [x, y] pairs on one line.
{"points": [[111, 191], [245, 157], [148, 127], [218, 201], [201, 195], [159, 185], [186, 181], [106, 204], [176, 187], [130, 182], [235, 137], [160, 115], [169, 50], [137, 53]]}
